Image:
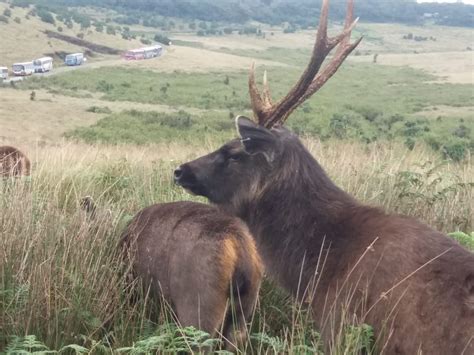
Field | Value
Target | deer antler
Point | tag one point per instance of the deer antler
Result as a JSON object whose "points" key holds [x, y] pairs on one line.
{"points": [[268, 114]]}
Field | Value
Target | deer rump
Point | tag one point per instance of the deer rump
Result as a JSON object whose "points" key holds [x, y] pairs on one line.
{"points": [[13, 162], [198, 260]]}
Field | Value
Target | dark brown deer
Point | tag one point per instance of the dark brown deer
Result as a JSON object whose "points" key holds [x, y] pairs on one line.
{"points": [[199, 260], [350, 262], [13, 162]]}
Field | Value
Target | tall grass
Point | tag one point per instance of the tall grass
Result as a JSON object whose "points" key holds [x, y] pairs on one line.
{"points": [[62, 282]]}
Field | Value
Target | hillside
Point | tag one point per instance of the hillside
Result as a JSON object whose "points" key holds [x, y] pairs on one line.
{"points": [[24, 38]]}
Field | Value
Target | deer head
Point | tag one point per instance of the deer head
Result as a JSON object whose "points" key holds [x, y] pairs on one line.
{"points": [[266, 151]]}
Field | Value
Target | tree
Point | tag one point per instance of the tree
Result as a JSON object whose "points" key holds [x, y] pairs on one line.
{"points": [[46, 16]]}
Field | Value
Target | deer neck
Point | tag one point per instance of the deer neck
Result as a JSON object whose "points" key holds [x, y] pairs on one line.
{"points": [[294, 219]]}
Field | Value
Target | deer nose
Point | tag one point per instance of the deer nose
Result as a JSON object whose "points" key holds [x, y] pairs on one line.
{"points": [[178, 174]]}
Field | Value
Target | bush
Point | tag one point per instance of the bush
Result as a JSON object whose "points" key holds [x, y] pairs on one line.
{"points": [[161, 38], [110, 30], [17, 20], [462, 131], [99, 109], [290, 29], [455, 150], [145, 41], [99, 27], [7, 12], [46, 16], [3, 19], [410, 143]]}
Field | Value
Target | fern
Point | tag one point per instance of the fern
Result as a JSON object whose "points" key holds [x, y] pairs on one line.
{"points": [[27, 345], [171, 339], [465, 239]]}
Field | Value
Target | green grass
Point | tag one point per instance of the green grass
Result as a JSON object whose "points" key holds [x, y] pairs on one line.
{"points": [[139, 127], [362, 101]]}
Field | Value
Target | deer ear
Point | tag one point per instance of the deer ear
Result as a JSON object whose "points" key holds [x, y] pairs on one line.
{"points": [[256, 139]]}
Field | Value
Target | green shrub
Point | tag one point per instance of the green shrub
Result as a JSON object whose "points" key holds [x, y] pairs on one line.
{"points": [[99, 109], [455, 150], [110, 30], [161, 38], [46, 16]]}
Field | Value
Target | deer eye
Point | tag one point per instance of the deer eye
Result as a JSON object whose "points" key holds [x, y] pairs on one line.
{"points": [[235, 157]]}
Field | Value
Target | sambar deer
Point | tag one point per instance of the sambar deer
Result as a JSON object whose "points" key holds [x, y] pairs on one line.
{"points": [[201, 261], [13, 162], [349, 261]]}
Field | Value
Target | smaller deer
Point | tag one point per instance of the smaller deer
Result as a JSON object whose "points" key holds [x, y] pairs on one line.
{"points": [[199, 260], [13, 162]]}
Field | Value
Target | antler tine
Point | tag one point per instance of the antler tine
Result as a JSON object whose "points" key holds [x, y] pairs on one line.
{"points": [[255, 98], [349, 25], [267, 98], [320, 50], [343, 50], [329, 70], [311, 80]]}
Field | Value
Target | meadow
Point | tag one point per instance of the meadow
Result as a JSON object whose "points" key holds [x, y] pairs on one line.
{"points": [[398, 134], [62, 280], [363, 102]]}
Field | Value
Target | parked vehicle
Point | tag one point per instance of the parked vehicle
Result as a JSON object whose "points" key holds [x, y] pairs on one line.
{"points": [[23, 69], [4, 73], [74, 59], [144, 53], [43, 65]]}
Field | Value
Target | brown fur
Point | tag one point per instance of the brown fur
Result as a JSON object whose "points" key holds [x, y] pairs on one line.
{"points": [[197, 258], [350, 262], [13, 162]]}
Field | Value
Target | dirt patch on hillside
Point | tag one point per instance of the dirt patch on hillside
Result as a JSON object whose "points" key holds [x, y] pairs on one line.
{"points": [[97, 48]]}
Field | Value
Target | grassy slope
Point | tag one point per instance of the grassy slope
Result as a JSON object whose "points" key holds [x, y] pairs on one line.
{"points": [[20, 45]]}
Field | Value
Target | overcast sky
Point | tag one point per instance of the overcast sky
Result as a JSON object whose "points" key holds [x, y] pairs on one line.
{"points": [[471, 2]]}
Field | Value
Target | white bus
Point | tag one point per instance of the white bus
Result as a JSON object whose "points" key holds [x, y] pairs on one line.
{"points": [[143, 53], [42, 65], [23, 69], [4, 73], [74, 59]]}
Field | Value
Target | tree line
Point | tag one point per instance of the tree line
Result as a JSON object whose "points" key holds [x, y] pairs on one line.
{"points": [[275, 12]]}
